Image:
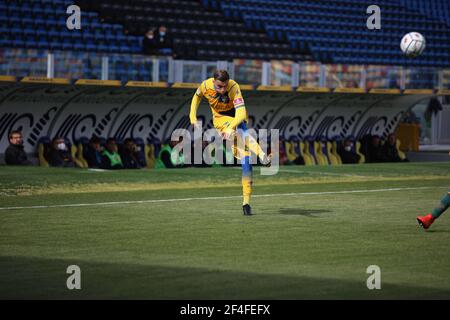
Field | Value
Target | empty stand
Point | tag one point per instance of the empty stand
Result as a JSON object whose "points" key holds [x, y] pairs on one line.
{"points": [[336, 32], [118, 27]]}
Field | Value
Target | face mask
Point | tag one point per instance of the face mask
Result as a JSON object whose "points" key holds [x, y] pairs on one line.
{"points": [[150, 36], [61, 146], [162, 34], [348, 148]]}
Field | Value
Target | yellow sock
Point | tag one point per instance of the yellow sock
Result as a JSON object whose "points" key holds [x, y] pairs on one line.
{"points": [[246, 189]]}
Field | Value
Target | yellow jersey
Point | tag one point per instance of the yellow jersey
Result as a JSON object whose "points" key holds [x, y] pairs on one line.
{"points": [[221, 104]]}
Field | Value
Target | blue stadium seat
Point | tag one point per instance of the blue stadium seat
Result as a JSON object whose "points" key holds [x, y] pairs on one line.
{"points": [[308, 21], [330, 30], [67, 46], [79, 46]]}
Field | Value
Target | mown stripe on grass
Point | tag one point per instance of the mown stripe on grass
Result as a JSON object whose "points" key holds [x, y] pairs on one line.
{"points": [[112, 203]]}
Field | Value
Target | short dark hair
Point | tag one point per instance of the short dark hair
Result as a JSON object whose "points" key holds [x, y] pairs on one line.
{"points": [[221, 75], [13, 133], [55, 138], [94, 139], [110, 140], [128, 140]]}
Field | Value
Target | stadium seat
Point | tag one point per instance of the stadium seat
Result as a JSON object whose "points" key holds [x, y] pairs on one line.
{"points": [[332, 157], [290, 151], [309, 22], [401, 154], [43, 148], [310, 149], [81, 145], [320, 156], [150, 157], [362, 158], [307, 157], [77, 156], [122, 24], [334, 148]]}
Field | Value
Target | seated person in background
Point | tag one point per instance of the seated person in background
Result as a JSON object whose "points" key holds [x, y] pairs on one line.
{"points": [[366, 141], [390, 149], [110, 157], [164, 41], [347, 153], [149, 42], [129, 155], [93, 153], [59, 155], [283, 159], [166, 159], [15, 154], [376, 151]]}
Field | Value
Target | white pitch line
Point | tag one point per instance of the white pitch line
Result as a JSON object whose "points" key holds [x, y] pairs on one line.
{"points": [[322, 173], [315, 172], [212, 198]]}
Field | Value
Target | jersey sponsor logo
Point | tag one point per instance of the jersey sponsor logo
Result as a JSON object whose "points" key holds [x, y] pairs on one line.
{"points": [[220, 107], [211, 93]]}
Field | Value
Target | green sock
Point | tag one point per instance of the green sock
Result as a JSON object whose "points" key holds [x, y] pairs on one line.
{"points": [[445, 203]]}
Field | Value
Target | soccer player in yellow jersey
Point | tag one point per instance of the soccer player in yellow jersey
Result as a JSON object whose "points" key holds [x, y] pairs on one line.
{"points": [[230, 119]]}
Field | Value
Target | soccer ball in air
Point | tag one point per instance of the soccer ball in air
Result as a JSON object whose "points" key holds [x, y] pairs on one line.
{"points": [[413, 44]]}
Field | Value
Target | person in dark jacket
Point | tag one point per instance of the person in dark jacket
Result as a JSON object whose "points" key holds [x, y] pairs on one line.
{"points": [[129, 155], [347, 152], [15, 153], [390, 149], [149, 45], [93, 153], [376, 152], [59, 155], [164, 42]]}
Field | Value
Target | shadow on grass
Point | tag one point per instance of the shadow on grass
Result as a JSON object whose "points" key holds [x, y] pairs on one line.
{"points": [[35, 278], [437, 230], [311, 213]]}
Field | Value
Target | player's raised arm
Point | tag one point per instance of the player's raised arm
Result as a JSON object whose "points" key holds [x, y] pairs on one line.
{"points": [[196, 99]]}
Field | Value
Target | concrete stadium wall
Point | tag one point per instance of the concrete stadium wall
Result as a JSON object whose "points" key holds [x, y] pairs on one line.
{"points": [[74, 111]]}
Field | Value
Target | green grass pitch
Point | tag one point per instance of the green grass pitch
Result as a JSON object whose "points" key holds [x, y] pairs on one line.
{"points": [[180, 234]]}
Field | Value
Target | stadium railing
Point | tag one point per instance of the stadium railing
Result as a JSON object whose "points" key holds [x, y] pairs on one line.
{"points": [[125, 67]]}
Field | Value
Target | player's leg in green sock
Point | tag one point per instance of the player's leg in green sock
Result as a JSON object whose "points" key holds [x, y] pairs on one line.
{"points": [[443, 205]]}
